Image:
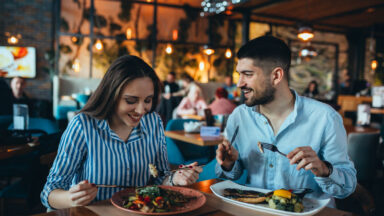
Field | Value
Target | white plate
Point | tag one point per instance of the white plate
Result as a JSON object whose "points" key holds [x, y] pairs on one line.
{"points": [[311, 206]]}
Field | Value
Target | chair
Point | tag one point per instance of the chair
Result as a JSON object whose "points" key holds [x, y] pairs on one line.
{"points": [[209, 173], [47, 125], [362, 149], [5, 121], [180, 152], [360, 202]]}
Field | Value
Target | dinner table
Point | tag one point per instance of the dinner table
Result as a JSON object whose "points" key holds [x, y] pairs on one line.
{"points": [[214, 206], [360, 129], [194, 138], [8, 151]]}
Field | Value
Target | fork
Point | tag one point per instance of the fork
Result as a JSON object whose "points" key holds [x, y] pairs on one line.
{"points": [[232, 140], [270, 147]]}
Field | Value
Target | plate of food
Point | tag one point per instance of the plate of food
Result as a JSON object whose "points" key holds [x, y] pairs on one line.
{"points": [[279, 202], [158, 200]]}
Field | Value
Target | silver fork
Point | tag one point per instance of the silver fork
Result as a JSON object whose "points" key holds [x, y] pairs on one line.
{"points": [[270, 147]]}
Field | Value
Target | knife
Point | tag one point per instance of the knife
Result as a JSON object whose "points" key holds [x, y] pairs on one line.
{"points": [[232, 140]]}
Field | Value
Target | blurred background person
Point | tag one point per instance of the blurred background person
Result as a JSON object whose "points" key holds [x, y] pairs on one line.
{"points": [[221, 105], [193, 103], [18, 86], [230, 87], [168, 102], [5, 95], [311, 90]]}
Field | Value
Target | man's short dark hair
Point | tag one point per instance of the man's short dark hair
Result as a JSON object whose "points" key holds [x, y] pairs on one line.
{"points": [[172, 73], [267, 52]]}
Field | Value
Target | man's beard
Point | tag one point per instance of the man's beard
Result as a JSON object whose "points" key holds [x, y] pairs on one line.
{"points": [[267, 96]]}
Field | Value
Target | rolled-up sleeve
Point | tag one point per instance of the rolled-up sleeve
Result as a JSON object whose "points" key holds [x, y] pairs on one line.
{"points": [[342, 182], [70, 153]]}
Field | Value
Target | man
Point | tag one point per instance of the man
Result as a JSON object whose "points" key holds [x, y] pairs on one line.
{"points": [[18, 85], [168, 102], [309, 132]]}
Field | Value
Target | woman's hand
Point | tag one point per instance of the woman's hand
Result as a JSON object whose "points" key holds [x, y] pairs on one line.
{"points": [[226, 155], [82, 194], [188, 175]]}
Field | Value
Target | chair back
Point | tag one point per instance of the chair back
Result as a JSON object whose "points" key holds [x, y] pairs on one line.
{"points": [[180, 152], [209, 173], [47, 125], [5, 121], [362, 149]]}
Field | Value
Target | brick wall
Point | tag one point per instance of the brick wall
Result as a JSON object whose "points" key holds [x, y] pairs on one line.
{"points": [[33, 19]]}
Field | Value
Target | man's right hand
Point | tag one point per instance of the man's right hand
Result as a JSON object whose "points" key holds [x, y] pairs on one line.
{"points": [[226, 155]]}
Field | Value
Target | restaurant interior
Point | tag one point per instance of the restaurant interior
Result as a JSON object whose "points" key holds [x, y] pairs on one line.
{"points": [[58, 51]]}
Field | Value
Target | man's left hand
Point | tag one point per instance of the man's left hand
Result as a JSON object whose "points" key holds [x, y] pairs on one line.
{"points": [[306, 158]]}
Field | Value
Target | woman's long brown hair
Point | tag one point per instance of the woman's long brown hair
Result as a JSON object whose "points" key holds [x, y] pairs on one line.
{"points": [[122, 71]]}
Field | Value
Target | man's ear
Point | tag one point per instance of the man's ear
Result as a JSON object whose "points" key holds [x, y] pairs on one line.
{"points": [[277, 75]]}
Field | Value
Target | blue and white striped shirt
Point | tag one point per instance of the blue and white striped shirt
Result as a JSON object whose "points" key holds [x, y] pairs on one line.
{"points": [[90, 150]]}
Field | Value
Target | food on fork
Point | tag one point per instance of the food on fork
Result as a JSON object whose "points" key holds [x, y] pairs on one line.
{"points": [[153, 170], [260, 147]]}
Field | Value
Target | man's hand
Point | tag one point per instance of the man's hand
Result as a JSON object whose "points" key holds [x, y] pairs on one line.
{"points": [[306, 158], [226, 155], [167, 95]]}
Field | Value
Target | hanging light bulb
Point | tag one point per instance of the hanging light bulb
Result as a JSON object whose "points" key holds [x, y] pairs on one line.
{"points": [[76, 66], [201, 66], [208, 50], [168, 49], [98, 45], [13, 40], [128, 33], [175, 34], [305, 33], [228, 53], [374, 64], [74, 39], [308, 52]]}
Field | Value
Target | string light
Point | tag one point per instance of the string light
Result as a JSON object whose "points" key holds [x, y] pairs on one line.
{"points": [[175, 34], [169, 49], [128, 33], [374, 64], [98, 45], [76, 66], [228, 53], [13, 39]]}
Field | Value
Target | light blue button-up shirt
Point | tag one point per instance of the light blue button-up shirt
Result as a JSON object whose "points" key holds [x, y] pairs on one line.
{"points": [[311, 123]]}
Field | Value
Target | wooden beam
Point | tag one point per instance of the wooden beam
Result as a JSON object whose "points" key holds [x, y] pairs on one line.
{"points": [[347, 13], [258, 7]]}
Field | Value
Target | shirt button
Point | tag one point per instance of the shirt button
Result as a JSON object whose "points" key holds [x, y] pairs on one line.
{"points": [[270, 165]]}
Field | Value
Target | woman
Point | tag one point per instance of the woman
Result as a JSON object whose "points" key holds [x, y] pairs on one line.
{"points": [[312, 90], [113, 140]]}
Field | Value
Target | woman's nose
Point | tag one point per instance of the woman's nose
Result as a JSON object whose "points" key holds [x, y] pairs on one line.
{"points": [[141, 108]]}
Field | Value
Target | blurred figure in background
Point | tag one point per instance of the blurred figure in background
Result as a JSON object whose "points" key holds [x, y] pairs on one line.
{"points": [[168, 102], [221, 105], [230, 87], [193, 103], [5, 96], [18, 85], [311, 90]]}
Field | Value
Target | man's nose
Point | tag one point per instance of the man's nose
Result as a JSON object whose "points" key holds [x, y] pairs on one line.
{"points": [[240, 83]]}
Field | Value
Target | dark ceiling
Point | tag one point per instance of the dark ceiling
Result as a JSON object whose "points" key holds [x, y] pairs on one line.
{"points": [[328, 15]]}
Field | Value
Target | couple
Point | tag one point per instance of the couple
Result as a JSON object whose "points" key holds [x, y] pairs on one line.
{"points": [[116, 135]]}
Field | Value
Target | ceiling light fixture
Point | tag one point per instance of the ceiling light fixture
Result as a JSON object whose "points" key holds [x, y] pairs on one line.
{"points": [[168, 49], [98, 45], [308, 52], [13, 39], [208, 50], [374, 64], [228, 53], [305, 33]]}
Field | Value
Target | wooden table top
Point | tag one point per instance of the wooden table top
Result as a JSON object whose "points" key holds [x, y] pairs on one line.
{"points": [[194, 138], [358, 129], [377, 111], [213, 207], [8, 151]]}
